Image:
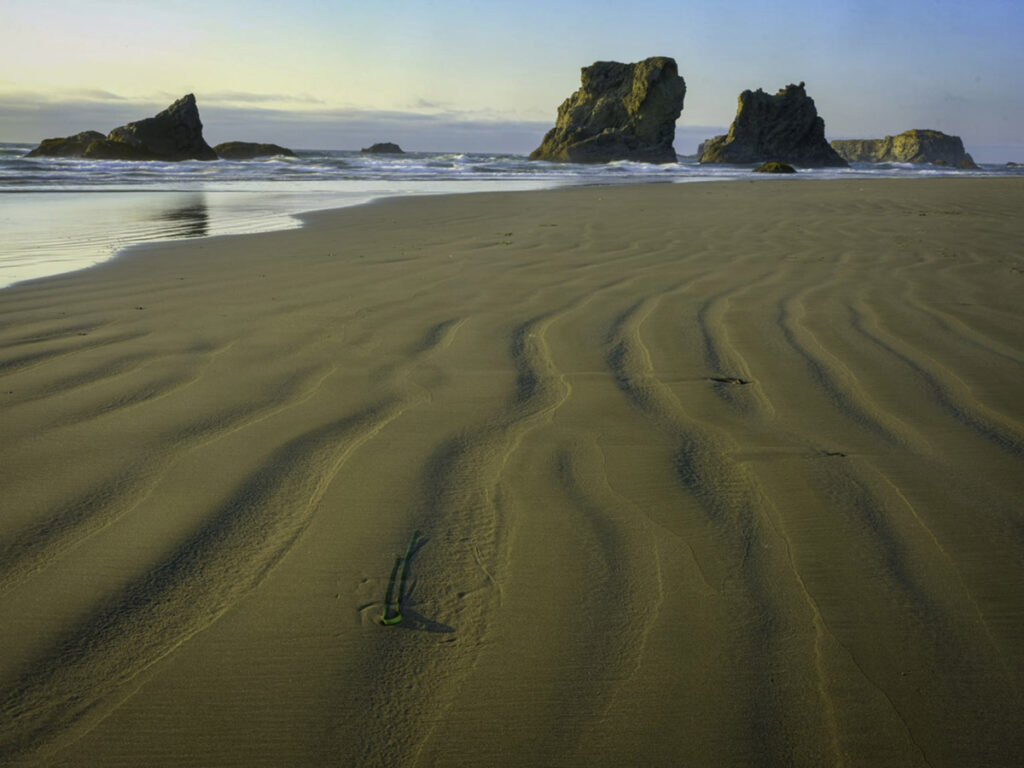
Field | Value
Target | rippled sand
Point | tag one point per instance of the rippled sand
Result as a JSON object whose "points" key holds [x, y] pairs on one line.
{"points": [[708, 474]]}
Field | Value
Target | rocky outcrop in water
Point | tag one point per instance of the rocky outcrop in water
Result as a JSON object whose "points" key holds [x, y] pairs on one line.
{"points": [[247, 150], [620, 112], [914, 146], [174, 134], [384, 148], [784, 127], [775, 167], [69, 146]]}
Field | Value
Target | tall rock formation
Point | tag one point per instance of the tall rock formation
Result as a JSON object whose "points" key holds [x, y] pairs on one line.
{"points": [[620, 112], [784, 127], [174, 134], [914, 146]]}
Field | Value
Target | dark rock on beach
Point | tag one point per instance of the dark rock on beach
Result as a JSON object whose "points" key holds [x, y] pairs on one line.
{"points": [[247, 150], [774, 166], [384, 148], [784, 127], [70, 146], [620, 112], [914, 146], [174, 134]]}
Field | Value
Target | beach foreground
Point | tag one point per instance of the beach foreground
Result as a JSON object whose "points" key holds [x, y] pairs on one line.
{"points": [[719, 474]]}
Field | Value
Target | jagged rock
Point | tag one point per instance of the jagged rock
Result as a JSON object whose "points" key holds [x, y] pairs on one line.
{"points": [[174, 134], [384, 148], [1012, 164], [774, 166], [620, 112], [784, 127], [247, 150], [70, 146], [914, 146]]}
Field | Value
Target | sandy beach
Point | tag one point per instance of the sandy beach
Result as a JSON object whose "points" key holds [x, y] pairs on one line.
{"points": [[710, 474]]}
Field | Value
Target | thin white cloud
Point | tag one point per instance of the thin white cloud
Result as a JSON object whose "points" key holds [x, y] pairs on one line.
{"points": [[248, 97], [94, 94]]}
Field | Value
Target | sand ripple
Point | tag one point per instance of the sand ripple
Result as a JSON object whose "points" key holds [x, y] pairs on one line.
{"points": [[716, 475]]}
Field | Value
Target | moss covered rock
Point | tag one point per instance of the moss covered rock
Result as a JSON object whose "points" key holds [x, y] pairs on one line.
{"points": [[247, 150], [774, 166], [620, 112], [784, 127], [69, 146], [914, 146]]}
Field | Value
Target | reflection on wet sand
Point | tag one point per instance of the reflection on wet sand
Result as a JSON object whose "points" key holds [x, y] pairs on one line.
{"points": [[189, 216]]}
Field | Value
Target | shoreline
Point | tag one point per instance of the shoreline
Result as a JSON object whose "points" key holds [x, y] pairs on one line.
{"points": [[98, 231], [705, 474], [55, 222]]}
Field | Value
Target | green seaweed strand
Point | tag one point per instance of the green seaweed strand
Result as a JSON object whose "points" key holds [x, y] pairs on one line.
{"points": [[384, 619], [395, 607]]}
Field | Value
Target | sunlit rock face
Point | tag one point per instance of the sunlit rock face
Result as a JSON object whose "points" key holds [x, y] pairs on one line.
{"points": [[621, 112], [914, 146]]}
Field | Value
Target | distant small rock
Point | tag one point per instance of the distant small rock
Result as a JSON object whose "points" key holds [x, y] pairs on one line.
{"points": [[247, 150], [773, 166], [1014, 165], [384, 148], [70, 146], [784, 127], [174, 134], [914, 146], [621, 112]]}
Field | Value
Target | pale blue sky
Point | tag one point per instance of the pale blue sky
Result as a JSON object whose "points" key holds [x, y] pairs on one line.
{"points": [[459, 75]]}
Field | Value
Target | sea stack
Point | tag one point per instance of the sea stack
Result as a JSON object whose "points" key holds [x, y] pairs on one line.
{"points": [[784, 127], [914, 146], [383, 148], [173, 134], [620, 112]]}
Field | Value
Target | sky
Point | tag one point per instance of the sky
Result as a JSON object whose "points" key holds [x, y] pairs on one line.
{"points": [[455, 75]]}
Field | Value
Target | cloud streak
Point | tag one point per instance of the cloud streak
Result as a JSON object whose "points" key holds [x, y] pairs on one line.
{"points": [[247, 97]]}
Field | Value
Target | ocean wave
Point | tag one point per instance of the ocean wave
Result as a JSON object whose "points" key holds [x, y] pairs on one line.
{"points": [[326, 167]]}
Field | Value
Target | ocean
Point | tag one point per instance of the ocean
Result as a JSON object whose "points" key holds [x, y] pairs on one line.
{"points": [[60, 214]]}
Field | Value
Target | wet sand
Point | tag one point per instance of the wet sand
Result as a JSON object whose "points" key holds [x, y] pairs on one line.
{"points": [[719, 474]]}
